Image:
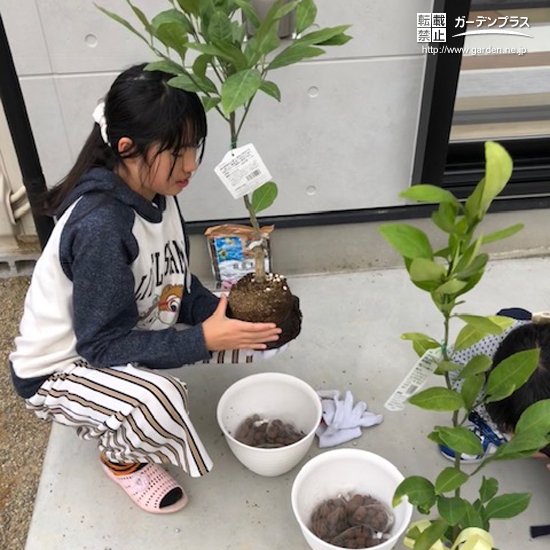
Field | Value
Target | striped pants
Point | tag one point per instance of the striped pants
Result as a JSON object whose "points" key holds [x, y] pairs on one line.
{"points": [[135, 414]]}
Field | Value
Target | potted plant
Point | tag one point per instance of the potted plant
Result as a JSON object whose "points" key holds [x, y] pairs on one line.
{"points": [[447, 274], [237, 50]]}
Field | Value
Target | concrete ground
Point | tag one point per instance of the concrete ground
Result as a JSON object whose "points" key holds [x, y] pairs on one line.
{"points": [[350, 340]]}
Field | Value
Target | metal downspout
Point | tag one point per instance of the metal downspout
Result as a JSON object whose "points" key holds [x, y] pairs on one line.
{"points": [[23, 139]]}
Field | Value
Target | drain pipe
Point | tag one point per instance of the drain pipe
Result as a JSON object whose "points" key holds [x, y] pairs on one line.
{"points": [[23, 139]]}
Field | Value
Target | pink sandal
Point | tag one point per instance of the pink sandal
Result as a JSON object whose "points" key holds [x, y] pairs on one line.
{"points": [[148, 486]]}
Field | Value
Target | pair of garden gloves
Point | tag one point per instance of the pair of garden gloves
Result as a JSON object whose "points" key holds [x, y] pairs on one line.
{"points": [[342, 420]]}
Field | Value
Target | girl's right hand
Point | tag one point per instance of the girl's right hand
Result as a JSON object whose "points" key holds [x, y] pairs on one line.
{"points": [[221, 332]]}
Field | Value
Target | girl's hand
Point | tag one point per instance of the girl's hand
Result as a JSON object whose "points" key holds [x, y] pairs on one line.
{"points": [[222, 333]]}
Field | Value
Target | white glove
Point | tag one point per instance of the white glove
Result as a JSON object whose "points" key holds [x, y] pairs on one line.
{"points": [[341, 420], [258, 355]]}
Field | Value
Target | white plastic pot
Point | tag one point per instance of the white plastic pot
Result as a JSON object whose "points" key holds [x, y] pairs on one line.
{"points": [[272, 396], [346, 472]]}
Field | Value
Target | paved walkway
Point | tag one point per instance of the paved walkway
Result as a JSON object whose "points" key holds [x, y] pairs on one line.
{"points": [[350, 340]]}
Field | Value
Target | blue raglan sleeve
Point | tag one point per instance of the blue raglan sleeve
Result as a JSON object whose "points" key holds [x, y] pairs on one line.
{"points": [[96, 253], [198, 304]]}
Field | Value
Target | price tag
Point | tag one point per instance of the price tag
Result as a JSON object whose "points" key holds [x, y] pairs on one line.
{"points": [[415, 380], [242, 170]]}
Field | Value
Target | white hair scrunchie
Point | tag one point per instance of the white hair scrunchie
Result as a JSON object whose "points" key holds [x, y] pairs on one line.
{"points": [[99, 117]]}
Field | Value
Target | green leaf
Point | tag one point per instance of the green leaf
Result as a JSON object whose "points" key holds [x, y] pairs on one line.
{"points": [[122, 21], [338, 40], [488, 489], [521, 445], [286, 8], [421, 342], [220, 27], [305, 15], [484, 324], [264, 196], [444, 217], [293, 54], [430, 194], [317, 38], [472, 518], [434, 436], [431, 535], [409, 241], [239, 33], [472, 209], [511, 374], [422, 269], [201, 64], [503, 233], [476, 365], [420, 337], [190, 6], [476, 268], [209, 102], [141, 16], [239, 88], [249, 12], [535, 419], [437, 399], [462, 440], [468, 336], [231, 53], [193, 83], [507, 506], [419, 490], [448, 366], [452, 510], [166, 66], [498, 170], [452, 286], [171, 27], [450, 479], [266, 36], [271, 89], [468, 256], [471, 389]]}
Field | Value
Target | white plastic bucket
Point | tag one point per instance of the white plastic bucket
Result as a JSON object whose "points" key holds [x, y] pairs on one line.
{"points": [[347, 471], [272, 396]]}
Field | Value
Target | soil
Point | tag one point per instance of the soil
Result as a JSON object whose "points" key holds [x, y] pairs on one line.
{"points": [[270, 301], [267, 434], [358, 522], [23, 438]]}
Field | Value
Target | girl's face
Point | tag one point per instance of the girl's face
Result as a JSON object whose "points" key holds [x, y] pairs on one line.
{"points": [[165, 173], [169, 173]]}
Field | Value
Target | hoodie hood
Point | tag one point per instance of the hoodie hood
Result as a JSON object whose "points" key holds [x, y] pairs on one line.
{"points": [[103, 180]]}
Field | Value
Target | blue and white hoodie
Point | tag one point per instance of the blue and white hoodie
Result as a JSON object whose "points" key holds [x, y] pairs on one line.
{"points": [[109, 287]]}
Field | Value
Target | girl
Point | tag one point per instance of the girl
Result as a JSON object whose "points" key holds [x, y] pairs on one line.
{"points": [[113, 280], [495, 422]]}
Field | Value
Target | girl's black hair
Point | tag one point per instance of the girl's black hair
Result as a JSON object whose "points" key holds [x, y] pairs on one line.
{"points": [[140, 105], [506, 413]]}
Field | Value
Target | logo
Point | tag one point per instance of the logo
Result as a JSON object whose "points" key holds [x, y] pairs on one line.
{"points": [[432, 27]]}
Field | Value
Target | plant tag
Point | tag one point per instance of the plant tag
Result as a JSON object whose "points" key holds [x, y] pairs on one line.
{"points": [[242, 170], [414, 380]]}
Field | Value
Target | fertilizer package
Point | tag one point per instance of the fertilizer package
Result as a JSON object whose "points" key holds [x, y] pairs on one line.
{"points": [[230, 253]]}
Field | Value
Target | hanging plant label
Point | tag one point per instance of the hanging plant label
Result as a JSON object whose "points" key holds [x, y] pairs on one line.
{"points": [[415, 379], [242, 170]]}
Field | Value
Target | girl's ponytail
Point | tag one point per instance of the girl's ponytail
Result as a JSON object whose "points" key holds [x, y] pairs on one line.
{"points": [[95, 152]]}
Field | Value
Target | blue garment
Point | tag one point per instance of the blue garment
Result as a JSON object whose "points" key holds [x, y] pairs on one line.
{"points": [[109, 287]]}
